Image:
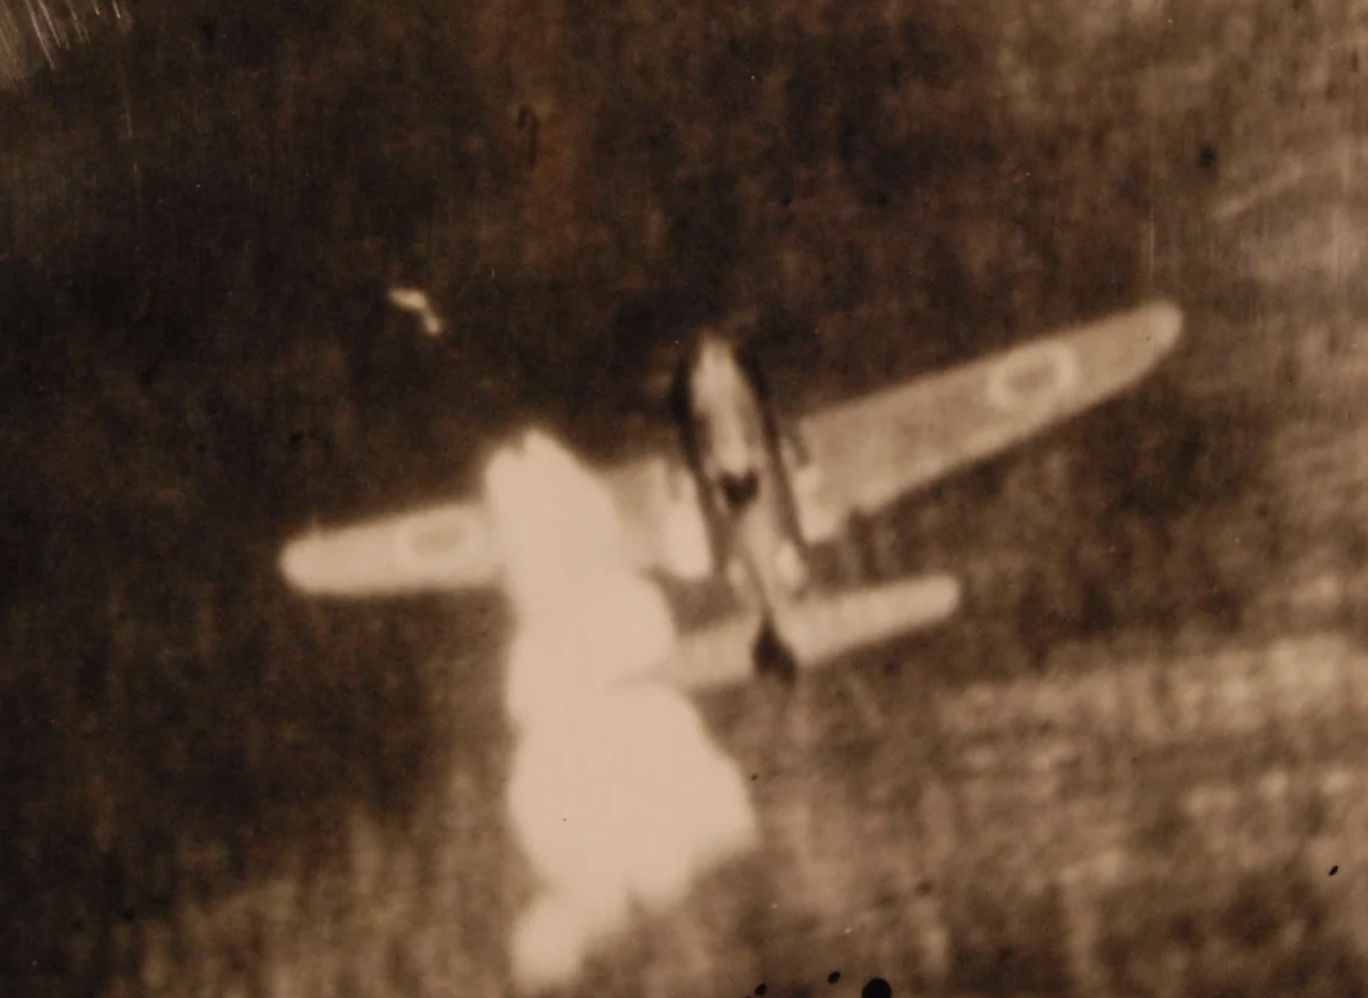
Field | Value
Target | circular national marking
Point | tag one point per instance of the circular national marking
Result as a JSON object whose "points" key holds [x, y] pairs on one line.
{"points": [[437, 540], [1032, 377]]}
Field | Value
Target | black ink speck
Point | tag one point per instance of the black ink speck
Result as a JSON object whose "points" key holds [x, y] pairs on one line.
{"points": [[876, 988], [1334, 870], [833, 977], [1207, 156], [760, 989]]}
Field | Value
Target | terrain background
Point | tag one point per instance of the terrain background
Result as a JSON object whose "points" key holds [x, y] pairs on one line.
{"points": [[1129, 767]]}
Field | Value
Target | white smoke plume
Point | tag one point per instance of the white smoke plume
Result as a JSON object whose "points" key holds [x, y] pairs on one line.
{"points": [[618, 796]]}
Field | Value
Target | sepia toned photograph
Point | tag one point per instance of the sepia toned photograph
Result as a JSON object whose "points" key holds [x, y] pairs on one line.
{"points": [[727, 498]]}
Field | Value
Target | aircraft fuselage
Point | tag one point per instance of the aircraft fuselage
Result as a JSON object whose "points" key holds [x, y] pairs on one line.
{"points": [[732, 445]]}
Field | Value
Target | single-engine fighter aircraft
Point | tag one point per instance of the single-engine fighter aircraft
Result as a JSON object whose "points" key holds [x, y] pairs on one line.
{"points": [[748, 497]]}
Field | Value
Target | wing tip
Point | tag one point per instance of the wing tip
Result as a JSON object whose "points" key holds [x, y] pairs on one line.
{"points": [[302, 564]]}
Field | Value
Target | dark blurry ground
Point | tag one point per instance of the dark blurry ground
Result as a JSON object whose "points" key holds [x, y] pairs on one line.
{"points": [[211, 783]]}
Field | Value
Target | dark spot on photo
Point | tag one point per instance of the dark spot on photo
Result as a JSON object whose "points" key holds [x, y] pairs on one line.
{"points": [[876, 988]]}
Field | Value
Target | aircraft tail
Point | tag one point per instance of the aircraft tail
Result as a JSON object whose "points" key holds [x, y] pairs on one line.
{"points": [[819, 630]]}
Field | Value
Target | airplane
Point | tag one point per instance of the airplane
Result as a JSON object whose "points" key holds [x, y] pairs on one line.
{"points": [[825, 470]]}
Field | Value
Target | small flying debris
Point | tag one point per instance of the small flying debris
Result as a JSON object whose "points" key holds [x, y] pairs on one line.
{"points": [[744, 499], [416, 302]]}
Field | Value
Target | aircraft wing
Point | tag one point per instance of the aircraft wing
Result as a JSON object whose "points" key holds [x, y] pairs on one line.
{"points": [[821, 629], [872, 450], [865, 453], [442, 548], [449, 547]]}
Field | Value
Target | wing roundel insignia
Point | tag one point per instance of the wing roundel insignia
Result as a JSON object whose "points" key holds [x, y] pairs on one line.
{"points": [[430, 542], [1034, 377]]}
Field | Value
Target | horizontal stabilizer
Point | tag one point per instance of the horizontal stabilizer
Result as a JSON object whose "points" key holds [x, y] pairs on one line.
{"points": [[442, 548], [820, 629]]}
